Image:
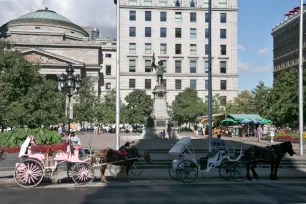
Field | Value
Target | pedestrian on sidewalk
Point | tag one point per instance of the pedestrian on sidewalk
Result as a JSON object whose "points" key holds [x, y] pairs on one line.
{"points": [[259, 132], [272, 133], [195, 129], [169, 130]]}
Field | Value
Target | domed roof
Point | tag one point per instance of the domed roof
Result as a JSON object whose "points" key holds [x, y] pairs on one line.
{"points": [[45, 14]]}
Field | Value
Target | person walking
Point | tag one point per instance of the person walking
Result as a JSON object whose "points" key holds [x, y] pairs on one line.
{"points": [[169, 130], [259, 132], [272, 133]]}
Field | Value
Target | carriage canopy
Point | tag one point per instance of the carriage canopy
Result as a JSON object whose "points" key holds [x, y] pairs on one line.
{"points": [[180, 146]]}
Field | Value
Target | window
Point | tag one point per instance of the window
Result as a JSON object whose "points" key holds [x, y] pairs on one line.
{"points": [[222, 4], [206, 84], [178, 16], [147, 3], [163, 32], [132, 15], [223, 33], [147, 83], [193, 49], [206, 33], [164, 65], [178, 49], [193, 17], [132, 65], [148, 15], [132, 48], [222, 17], [178, 84], [163, 48], [163, 16], [163, 2], [206, 67], [178, 66], [108, 55], [132, 31], [165, 83], [108, 70], [148, 66], [223, 67], [193, 33], [148, 48], [206, 49], [178, 32], [132, 83], [133, 2], [206, 18], [108, 86], [223, 100], [148, 31], [223, 49], [223, 84], [193, 66], [193, 84], [205, 3]]}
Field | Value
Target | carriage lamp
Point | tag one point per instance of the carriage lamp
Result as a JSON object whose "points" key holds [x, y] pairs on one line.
{"points": [[69, 85]]}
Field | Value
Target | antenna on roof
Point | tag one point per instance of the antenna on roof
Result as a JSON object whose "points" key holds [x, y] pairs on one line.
{"points": [[46, 8]]}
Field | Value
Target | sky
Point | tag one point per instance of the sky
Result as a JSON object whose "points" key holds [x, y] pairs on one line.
{"points": [[255, 22]]}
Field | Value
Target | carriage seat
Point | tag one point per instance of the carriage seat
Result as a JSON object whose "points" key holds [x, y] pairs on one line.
{"points": [[78, 147]]}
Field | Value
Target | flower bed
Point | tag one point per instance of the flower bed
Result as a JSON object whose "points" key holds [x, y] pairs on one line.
{"points": [[287, 138], [41, 148]]}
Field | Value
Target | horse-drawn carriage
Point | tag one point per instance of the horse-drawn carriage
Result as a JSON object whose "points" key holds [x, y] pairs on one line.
{"points": [[186, 167]]}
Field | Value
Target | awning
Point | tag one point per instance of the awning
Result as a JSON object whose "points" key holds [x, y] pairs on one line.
{"points": [[240, 117]]}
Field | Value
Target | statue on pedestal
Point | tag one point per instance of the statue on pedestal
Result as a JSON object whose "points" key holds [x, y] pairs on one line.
{"points": [[159, 70]]}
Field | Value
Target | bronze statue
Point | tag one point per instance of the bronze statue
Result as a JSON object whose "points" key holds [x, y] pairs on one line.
{"points": [[159, 70]]}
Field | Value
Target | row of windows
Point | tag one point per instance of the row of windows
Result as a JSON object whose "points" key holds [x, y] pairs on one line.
{"points": [[178, 16], [177, 3], [178, 49], [178, 32]]}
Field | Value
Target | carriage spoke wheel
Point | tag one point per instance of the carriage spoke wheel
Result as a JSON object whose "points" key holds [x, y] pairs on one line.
{"points": [[225, 169], [238, 171], [172, 173], [29, 173], [70, 166], [136, 169], [187, 171], [115, 169], [83, 173]]}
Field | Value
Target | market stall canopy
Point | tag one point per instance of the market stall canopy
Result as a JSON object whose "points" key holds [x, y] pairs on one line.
{"points": [[240, 117], [228, 120], [214, 116], [266, 121]]}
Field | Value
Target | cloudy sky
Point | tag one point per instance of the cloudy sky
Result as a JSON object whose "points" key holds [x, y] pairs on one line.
{"points": [[255, 21], [97, 13]]}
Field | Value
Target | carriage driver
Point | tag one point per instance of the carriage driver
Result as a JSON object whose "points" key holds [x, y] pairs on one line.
{"points": [[75, 140]]}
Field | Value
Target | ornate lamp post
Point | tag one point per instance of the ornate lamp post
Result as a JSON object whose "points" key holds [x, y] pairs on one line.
{"points": [[70, 85]]}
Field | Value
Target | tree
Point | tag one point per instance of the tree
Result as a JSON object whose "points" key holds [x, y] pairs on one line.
{"points": [[218, 106], [242, 104], [188, 106], [86, 102], [261, 96], [106, 109], [139, 105]]}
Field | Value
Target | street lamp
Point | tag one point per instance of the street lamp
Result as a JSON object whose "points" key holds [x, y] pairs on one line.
{"points": [[69, 85]]}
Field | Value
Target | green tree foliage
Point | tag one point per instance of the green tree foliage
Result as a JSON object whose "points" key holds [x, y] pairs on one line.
{"points": [[139, 105], [242, 104], [218, 106], [106, 109], [188, 106], [261, 95], [86, 102]]}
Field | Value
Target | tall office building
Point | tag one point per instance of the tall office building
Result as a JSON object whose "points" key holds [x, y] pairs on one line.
{"points": [[93, 32], [177, 32]]}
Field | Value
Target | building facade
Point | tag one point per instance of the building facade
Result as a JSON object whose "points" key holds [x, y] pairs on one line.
{"points": [[54, 42], [93, 32], [286, 44], [177, 32]]}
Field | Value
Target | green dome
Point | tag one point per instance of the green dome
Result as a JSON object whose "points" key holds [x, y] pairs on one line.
{"points": [[45, 14]]}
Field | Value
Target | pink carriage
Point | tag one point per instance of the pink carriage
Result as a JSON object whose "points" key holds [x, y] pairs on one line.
{"points": [[34, 165]]}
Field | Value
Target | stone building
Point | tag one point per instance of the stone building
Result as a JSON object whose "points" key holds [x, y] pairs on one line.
{"points": [[54, 42], [177, 32], [286, 43], [93, 32]]}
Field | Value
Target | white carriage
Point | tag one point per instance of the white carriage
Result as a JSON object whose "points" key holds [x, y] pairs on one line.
{"points": [[185, 167]]}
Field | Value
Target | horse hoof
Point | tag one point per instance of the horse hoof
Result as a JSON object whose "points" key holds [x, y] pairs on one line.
{"points": [[103, 180], [272, 178], [250, 178], [127, 180]]}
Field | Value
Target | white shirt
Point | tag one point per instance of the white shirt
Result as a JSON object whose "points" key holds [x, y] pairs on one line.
{"points": [[75, 140]]}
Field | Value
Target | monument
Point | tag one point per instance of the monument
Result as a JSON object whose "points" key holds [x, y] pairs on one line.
{"points": [[159, 119]]}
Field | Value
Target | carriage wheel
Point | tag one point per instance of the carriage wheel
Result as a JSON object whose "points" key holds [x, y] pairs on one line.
{"points": [[83, 173], [172, 173], [187, 171], [238, 171], [115, 169], [225, 169], [136, 169], [29, 173]]}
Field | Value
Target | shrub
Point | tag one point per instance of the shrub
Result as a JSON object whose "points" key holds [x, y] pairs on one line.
{"points": [[17, 137]]}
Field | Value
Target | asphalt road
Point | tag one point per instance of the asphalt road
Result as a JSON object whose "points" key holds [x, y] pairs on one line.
{"points": [[251, 192]]}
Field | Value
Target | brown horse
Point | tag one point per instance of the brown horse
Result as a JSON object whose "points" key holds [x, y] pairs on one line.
{"points": [[111, 156], [2, 153]]}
